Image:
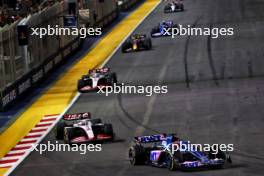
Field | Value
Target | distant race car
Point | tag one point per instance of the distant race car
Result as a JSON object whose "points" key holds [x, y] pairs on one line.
{"points": [[137, 42], [174, 6], [159, 154], [95, 79], [164, 28], [80, 128]]}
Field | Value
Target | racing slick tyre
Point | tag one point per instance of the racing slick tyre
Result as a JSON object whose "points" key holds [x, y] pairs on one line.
{"points": [[172, 162], [137, 155], [125, 46], [96, 121], [108, 130], [148, 44], [80, 85], [59, 130], [114, 78], [68, 135], [167, 9], [182, 8], [154, 31], [217, 154], [220, 155]]}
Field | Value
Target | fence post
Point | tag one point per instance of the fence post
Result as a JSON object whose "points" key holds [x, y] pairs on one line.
{"points": [[1, 101], [3, 79], [12, 55], [2, 75]]}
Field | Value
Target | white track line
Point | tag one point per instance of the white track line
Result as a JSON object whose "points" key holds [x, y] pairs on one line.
{"points": [[29, 139], [10, 158], [16, 151], [40, 128], [44, 123], [76, 97], [6, 165], [49, 117], [23, 145], [37, 133], [24, 152]]}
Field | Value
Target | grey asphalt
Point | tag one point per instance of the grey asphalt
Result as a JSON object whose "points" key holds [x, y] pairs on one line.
{"points": [[215, 95]]}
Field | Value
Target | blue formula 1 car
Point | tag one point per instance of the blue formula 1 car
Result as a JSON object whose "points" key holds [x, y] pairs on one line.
{"points": [[164, 28], [160, 154]]}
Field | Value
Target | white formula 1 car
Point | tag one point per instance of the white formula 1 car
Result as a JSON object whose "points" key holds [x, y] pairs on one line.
{"points": [[95, 79], [174, 6], [80, 128]]}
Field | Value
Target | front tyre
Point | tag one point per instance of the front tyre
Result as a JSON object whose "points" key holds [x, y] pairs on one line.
{"points": [[172, 163], [154, 31], [125, 46], [59, 131], [80, 85], [68, 135], [167, 9]]}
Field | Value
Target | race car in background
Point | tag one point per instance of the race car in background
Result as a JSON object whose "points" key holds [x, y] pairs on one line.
{"points": [[159, 154], [174, 6], [95, 79], [80, 128], [137, 42], [164, 28]]}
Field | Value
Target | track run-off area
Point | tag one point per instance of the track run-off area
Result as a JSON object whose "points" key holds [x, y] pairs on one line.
{"points": [[215, 93]]}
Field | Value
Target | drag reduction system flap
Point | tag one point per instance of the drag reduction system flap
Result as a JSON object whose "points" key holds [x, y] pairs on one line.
{"points": [[77, 116], [100, 70]]}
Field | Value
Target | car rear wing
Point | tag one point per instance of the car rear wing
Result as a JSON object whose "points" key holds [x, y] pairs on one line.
{"points": [[151, 138], [77, 116], [139, 36], [99, 70]]}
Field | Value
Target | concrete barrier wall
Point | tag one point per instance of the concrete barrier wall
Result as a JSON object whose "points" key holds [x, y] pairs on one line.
{"points": [[127, 4], [19, 75]]}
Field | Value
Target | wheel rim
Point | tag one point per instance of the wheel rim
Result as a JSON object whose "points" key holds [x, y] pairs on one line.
{"points": [[132, 156]]}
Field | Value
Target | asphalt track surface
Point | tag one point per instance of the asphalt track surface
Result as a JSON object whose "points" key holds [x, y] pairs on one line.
{"points": [[216, 95]]}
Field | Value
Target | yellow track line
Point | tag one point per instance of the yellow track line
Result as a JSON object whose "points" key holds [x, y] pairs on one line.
{"points": [[56, 98]]}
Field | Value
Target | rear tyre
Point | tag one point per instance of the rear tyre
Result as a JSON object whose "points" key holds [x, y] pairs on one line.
{"points": [[148, 44], [108, 130], [96, 121], [137, 155], [182, 8], [221, 155]]}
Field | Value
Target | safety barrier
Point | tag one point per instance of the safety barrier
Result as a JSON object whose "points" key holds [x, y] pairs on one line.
{"points": [[14, 91], [44, 55]]}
